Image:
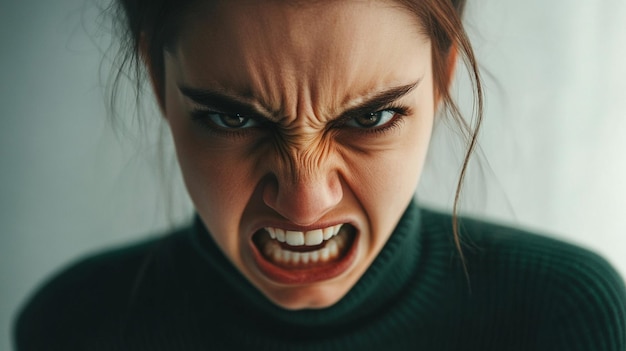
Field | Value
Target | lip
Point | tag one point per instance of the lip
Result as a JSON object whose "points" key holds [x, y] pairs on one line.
{"points": [[296, 276]]}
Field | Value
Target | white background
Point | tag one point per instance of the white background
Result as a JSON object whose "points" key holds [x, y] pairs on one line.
{"points": [[553, 141]]}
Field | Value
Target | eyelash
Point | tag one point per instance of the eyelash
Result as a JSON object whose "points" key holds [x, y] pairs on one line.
{"points": [[200, 116], [399, 112]]}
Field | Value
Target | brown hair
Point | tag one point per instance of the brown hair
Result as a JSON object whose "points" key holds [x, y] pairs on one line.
{"points": [[442, 21], [156, 24]]}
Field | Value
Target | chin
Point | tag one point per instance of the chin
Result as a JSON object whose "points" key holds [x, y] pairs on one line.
{"points": [[321, 295]]}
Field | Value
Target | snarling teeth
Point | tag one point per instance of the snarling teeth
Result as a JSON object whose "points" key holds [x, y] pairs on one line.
{"points": [[308, 238], [295, 248]]}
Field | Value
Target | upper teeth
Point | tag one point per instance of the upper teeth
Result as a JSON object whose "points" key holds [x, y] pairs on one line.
{"points": [[308, 238]]}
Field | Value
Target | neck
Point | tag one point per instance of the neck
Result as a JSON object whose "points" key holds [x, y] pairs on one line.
{"points": [[380, 285]]}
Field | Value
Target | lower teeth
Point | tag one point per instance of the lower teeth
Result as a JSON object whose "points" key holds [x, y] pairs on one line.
{"points": [[274, 252]]}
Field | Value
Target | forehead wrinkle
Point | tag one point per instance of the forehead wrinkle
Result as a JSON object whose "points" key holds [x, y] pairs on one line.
{"points": [[293, 90], [255, 56], [354, 90], [283, 71], [359, 71]]}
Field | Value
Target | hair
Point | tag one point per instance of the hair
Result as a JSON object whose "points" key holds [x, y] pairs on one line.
{"points": [[148, 27]]}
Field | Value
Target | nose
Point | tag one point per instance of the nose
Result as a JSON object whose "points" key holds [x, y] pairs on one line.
{"points": [[303, 200]]}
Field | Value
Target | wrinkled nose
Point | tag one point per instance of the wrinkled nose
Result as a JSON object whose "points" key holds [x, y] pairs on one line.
{"points": [[303, 200]]}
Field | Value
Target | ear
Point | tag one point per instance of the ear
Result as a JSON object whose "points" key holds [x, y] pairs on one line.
{"points": [[448, 74], [156, 82]]}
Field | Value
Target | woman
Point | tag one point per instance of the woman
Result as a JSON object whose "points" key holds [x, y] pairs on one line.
{"points": [[301, 130]]}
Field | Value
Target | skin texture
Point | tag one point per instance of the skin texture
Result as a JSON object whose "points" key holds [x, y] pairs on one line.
{"points": [[301, 66]]}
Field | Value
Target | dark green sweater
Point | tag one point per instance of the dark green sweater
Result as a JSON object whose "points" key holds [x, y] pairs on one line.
{"points": [[526, 292]]}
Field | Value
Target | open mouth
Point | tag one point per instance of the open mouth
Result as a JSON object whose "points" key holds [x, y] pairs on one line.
{"points": [[299, 256]]}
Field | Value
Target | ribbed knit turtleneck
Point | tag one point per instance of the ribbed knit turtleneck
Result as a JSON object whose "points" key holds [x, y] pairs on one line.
{"points": [[381, 285], [522, 292]]}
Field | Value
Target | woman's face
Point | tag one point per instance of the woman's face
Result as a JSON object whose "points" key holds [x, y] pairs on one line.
{"points": [[301, 130]]}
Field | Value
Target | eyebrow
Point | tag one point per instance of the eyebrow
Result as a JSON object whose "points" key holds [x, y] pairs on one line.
{"points": [[224, 102], [229, 103], [379, 100]]}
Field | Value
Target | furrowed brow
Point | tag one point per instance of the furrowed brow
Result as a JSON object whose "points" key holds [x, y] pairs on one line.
{"points": [[379, 100], [226, 103]]}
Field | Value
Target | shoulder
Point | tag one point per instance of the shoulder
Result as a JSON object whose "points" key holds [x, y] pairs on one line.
{"points": [[484, 241], [575, 296], [86, 297]]}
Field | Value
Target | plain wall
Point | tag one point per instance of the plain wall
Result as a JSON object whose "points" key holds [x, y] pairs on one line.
{"points": [[553, 138]]}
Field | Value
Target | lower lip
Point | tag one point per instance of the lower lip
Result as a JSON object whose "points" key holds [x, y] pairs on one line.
{"points": [[304, 275]]}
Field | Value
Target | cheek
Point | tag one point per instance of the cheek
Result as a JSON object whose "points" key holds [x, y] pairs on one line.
{"points": [[212, 173], [385, 182]]}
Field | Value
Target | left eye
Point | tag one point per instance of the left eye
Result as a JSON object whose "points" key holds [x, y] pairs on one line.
{"points": [[231, 121], [372, 120]]}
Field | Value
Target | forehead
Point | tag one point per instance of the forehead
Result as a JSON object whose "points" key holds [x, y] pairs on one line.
{"points": [[285, 52]]}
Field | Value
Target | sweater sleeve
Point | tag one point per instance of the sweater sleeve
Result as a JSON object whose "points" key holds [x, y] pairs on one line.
{"points": [[589, 313]]}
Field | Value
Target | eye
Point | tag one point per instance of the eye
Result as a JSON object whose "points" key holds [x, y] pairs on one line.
{"points": [[373, 119], [228, 121]]}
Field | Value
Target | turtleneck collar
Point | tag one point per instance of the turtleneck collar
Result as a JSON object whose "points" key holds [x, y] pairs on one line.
{"points": [[384, 280]]}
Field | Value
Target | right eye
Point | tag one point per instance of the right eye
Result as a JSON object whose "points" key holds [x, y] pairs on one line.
{"points": [[227, 120]]}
